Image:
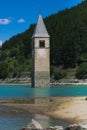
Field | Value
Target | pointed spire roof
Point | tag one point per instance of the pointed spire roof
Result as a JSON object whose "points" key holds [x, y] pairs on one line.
{"points": [[40, 29]]}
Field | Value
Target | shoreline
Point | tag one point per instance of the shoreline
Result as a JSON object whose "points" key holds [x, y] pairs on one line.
{"points": [[68, 84], [73, 109], [27, 81], [77, 84], [15, 84]]}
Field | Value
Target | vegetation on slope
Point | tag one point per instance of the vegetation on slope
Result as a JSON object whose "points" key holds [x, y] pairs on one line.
{"points": [[68, 32], [81, 72]]}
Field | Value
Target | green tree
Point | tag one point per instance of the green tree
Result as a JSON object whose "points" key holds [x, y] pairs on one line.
{"points": [[59, 75], [81, 72], [3, 70]]}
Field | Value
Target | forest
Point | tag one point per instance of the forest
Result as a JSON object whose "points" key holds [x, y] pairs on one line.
{"points": [[68, 46]]}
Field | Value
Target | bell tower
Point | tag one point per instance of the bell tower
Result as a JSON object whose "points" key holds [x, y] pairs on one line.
{"points": [[40, 56]]}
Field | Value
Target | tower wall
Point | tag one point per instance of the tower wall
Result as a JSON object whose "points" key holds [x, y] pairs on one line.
{"points": [[41, 64]]}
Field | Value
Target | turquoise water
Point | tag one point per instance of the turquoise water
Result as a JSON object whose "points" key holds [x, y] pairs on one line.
{"points": [[21, 91], [20, 120], [15, 122]]}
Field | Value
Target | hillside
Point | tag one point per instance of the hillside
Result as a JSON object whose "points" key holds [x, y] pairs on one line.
{"points": [[68, 31]]}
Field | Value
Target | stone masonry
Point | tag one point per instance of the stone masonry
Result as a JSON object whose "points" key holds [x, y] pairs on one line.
{"points": [[40, 56]]}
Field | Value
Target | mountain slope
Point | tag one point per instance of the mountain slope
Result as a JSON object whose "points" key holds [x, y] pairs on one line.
{"points": [[68, 31]]}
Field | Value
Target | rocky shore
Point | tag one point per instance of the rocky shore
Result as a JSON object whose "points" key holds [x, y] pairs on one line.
{"points": [[27, 80], [69, 81], [21, 80], [35, 125], [72, 109]]}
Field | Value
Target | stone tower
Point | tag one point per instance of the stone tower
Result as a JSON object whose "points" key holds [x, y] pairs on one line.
{"points": [[40, 55]]}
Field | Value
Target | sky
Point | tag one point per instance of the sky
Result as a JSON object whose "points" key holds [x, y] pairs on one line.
{"points": [[17, 15]]}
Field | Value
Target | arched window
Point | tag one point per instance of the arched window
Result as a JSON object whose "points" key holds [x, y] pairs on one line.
{"points": [[42, 44]]}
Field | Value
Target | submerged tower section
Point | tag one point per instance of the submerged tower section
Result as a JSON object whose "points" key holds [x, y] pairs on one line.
{"points": [[40, 56]]}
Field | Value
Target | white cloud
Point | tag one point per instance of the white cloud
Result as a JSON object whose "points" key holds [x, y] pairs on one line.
{"points": [[1, 42], [5, 21], [21, 20]]}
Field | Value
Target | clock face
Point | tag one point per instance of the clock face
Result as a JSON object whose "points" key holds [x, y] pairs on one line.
{"points": [[41, 53]]}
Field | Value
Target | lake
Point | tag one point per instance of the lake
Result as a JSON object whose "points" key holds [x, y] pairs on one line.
{"points": [[23, 91], [18, 121], [15, 122]]}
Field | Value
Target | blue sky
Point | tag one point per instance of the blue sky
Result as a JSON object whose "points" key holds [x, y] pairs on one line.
{"points": [[17, 15]]}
